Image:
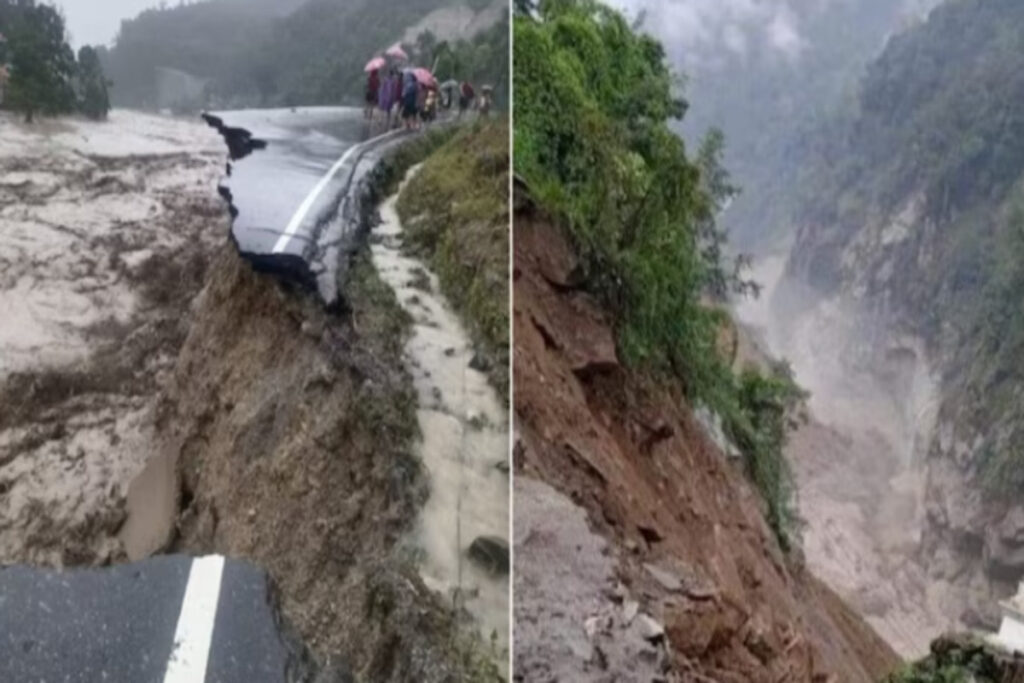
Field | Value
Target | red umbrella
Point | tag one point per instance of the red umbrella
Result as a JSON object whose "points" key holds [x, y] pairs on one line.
{"points": [[397, 52], [424, 76], [375, 64]]}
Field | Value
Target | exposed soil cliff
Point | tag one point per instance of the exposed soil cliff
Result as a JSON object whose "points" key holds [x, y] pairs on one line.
{"points": [[699, 569]]}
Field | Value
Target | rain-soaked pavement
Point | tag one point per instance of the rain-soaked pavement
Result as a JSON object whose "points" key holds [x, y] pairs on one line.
{"points": [[173, 619], [292, 184]]}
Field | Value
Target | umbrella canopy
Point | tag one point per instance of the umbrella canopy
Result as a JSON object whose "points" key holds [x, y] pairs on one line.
{"points": [[397, 52], [450, 84], [375, 64], [424, 76]]}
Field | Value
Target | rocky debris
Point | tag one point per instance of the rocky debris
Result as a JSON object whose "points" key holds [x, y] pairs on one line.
{"points": [[491, 553], [679, 505], [668, 580], [630, 608], [1004, 546], [712, 424], [480, 362], [569, 623], [650, 629]]}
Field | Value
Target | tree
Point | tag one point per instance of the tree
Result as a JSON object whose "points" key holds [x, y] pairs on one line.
{"points": [[42, 63], [94, 101]]}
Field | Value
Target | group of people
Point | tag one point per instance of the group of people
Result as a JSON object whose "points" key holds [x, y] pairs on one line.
{"points": [[399, 98]]}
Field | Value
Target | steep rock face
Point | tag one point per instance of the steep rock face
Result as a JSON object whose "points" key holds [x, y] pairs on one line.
{"points": [[912, 231], [686, 531]]}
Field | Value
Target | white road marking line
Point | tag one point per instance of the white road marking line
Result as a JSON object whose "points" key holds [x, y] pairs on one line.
{"points": [[307, 203], [194, 634]]}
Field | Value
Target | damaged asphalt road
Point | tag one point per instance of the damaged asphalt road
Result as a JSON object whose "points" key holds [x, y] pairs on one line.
{"points": [[293, 188], [168, 619]]}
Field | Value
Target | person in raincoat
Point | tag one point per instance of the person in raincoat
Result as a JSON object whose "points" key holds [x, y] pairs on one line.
{"points": [[429, 112], [486, 101], [448, 89], [410, 96], [386, 98], [466, 97], [396, 98], [372, 90]]}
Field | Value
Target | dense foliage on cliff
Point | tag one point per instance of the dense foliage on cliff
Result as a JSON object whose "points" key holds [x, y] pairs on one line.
{"points": [[44, 76], [273, 53], [938, 112], [594, 104], [935, 148]]}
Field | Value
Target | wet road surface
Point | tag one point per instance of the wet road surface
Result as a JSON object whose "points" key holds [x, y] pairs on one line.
{"points": [[169, 619], [290, 194]]}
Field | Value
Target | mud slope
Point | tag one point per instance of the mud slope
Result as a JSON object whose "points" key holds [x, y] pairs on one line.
{"points": [[685, 530], [292, 429]]}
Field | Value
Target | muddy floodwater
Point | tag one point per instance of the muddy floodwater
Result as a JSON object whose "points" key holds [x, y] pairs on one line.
{"points": [[464, 427]]}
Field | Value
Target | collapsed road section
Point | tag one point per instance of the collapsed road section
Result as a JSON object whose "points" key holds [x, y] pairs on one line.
{"points": [[294, 205]]}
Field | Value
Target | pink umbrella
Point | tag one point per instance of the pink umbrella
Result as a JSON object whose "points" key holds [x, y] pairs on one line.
{"points": [[397, 52], [424, 76], [375, 64]]}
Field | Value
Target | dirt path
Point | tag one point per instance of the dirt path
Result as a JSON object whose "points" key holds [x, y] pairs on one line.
{"points": [[464, 442], [106, 231]]}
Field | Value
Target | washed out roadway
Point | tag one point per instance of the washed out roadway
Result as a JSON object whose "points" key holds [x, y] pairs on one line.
{"points": [[291, 190]]}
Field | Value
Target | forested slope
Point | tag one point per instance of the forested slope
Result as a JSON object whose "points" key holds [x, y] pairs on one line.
{"points": [[913, 214], [289, 53]]}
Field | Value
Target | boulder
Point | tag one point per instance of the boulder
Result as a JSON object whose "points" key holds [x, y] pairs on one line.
{"points": [[491, 553]]}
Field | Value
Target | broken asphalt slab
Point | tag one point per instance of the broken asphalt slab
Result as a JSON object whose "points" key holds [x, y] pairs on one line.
{"points": [[169, 618], [295, 188]]}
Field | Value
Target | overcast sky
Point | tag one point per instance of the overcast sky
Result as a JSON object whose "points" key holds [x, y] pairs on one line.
{"points": [[744, 27], [95, 22], [695, 31]]}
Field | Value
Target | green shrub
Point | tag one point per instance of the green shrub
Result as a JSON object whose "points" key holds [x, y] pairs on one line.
{"points": [[766, 408], [953, 660]]}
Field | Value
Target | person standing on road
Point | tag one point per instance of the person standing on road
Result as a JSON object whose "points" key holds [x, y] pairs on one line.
{"points": [[486, 101], [372, 90], [429, 112], [410, 94], [385, 98], [466, 96]]}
